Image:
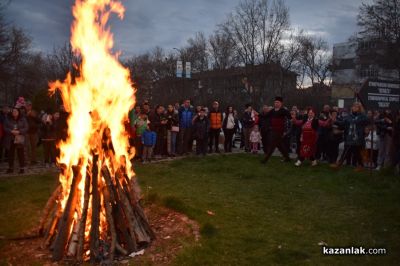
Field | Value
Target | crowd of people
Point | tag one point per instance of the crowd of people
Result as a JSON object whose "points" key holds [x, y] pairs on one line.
{"points": [[23, 129], [368, 139]]}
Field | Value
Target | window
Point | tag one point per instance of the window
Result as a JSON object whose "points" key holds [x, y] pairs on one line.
{"points": [[370, 72]]}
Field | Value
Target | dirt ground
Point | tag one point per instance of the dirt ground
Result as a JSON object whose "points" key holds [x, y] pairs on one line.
{"points": [[173, 231]]}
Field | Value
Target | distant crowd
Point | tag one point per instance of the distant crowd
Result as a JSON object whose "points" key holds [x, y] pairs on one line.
{"points": [[369, 139], [23, 130]]}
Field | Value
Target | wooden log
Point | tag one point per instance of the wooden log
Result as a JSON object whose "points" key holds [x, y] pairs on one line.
{"points": [[94, 243], [52, 226], [49, 206], [138, 211], [73, 243], [134, 189], [64, 225], [118, 214], [121, 249], [82, 221], [134, 226], [110, 221]]}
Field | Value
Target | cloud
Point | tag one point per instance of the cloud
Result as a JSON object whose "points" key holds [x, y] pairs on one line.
{"points": [[168, 24]]}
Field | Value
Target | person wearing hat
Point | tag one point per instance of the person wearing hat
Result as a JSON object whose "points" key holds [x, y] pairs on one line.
{"points": [[216, 118], [278, 118]]}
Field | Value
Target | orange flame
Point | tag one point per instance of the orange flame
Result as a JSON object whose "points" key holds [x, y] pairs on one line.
{"points": [[99, 98]]}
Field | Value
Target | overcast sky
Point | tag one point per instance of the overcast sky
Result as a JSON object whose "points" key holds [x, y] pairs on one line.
{"points": [[169, 23]]}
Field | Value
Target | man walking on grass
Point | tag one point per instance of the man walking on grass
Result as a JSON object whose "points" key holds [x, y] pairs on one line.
{"points": [[277, 119]]}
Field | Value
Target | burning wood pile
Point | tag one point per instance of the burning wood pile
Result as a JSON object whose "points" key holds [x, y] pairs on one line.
{"points": [[95, 214]]}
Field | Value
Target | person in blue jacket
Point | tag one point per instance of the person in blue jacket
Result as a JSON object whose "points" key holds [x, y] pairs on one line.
{"points": [[354, 129], [149, 141], [186, 114]]}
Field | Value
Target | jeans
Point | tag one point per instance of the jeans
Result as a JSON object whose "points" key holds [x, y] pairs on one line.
{"points": [[384, 146], [172, 136], [214, 138], [147, 153], [228, 133], [49, 149], [32, 143], [201, 146], [19, 148], [246, 133], [185, 140]]}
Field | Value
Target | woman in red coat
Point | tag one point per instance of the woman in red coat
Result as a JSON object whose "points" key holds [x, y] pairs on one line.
{"points": [[309, 136]]}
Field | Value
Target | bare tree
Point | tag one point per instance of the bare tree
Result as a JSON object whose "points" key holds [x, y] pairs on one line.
{"points": [[196, 52], [61, 61], [256, 27], [315, 59], [272, 23], [148, 68], [14, 51], [221, 50], [242, 27], [381, 20], [289, 54]]}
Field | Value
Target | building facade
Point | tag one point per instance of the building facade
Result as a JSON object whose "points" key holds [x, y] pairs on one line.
{"points": [[354, 62], [237, 86]]}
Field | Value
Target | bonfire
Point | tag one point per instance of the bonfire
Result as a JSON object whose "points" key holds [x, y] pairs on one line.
{"points": [[95, 214]]}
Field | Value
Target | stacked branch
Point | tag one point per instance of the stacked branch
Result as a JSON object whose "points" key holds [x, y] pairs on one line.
{"points": [[77, 233]]}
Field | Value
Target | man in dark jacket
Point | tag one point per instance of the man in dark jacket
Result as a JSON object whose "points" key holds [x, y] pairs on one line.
{"points": [[173, 129], [323, 135], [278, 118], [263, 124], [248, 123], [159, 125], [186, 115], [33, 131], [201, 126]]}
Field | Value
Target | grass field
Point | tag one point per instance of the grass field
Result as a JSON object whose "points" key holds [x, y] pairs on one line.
{"points": [[264, 214]]}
